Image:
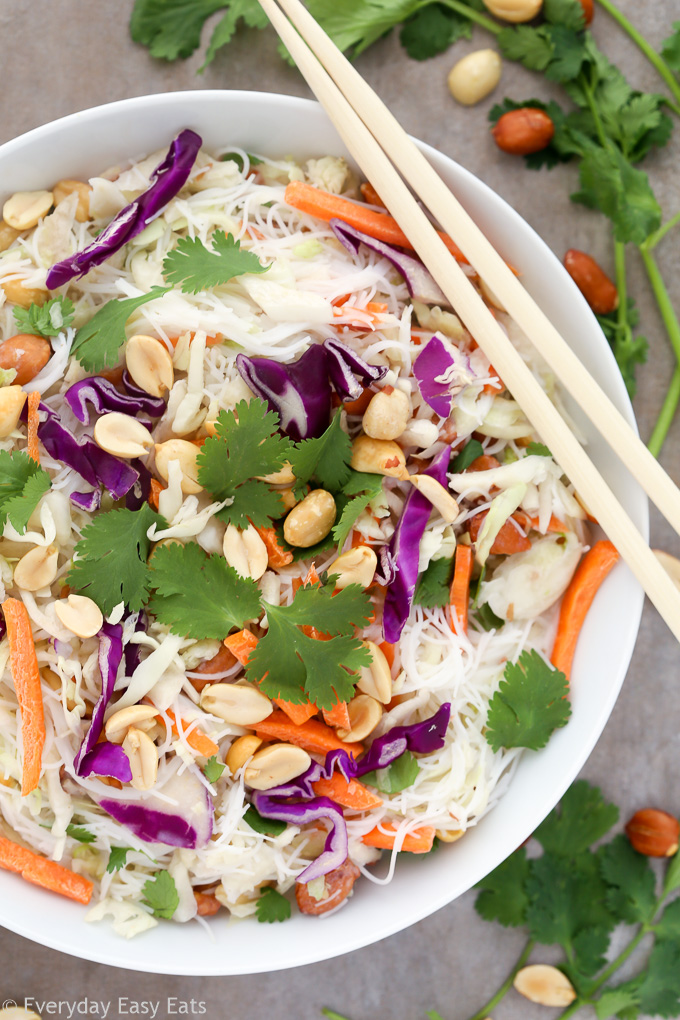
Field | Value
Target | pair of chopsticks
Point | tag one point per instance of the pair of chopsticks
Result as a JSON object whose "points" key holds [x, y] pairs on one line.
{"points": [[384, 151]]}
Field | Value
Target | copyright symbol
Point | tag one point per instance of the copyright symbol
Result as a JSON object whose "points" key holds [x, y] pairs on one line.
{"points": [[9, 1004]]}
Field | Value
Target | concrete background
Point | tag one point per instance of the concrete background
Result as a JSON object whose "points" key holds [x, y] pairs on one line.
{"points": [[63, 56]]}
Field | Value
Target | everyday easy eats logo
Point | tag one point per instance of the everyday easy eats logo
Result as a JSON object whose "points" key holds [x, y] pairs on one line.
{"points": [[120, 1007]]}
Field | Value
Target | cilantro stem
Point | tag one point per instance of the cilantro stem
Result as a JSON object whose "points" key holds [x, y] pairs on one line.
{"points": [[651, 242], [670, 321], [666, 414], [621, 283], [507, 984], [469, 13], [652, 56]]}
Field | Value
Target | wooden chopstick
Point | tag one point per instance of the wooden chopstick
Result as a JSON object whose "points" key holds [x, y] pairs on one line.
{"points": [[472, 310], [487, 262]]}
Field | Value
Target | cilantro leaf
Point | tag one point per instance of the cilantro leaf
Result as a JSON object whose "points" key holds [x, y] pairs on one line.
{"points": [[433, 584], [348, 518], [668, 925], [22, 484], [213, 769], [80, 833], [566, 896], [470, 452], [531, 47], [45, 320], [246, 444], [289, 664], [272, 906], [160, 893], [503, 897], [398, 776], [97, 343], [198, 268], [613, 1001], [590, 946], [110, 559], [628, 350], [660, 987], [672, 879], [267, 826], [632, 894], [529, 705], [537, 450], [117, 858], [569, 53], [581, 818], [568, 13], [171, 28], [197, 595], [432, 30], [326, 458], [249, 11], [670, 48], [357, 24], [609, 183], [486, 618]]}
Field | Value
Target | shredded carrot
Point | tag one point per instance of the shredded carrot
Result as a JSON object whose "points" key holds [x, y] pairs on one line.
{"points": [[577, 600], [220, 662], [554, 524], [350, 793], [419, 841], [195, 738], [276, 556], [337, 716], [24, 666], [370, 195], [368, 317], [325, 206], [113, 375], [32, 423], [40, 871], [314, 735], [298, 714], [154, 493], [483, 463], [210, 341], [459, 594], [388, 651], [241, 645], [508, 540], [359, 405]]}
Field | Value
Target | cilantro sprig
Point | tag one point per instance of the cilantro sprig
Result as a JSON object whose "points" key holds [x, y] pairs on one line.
{"points": [[22, 485], [45, 320], [195, 267], [160, 893], [529, 705], [97, 343], [433, 586], [272, 906]]}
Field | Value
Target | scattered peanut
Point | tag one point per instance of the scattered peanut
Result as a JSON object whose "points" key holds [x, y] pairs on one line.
{"points": [[186, 453], [276, 764], [654, 833], [12, 400], [80, 615], [378, 457], [288, 498], [241, 750], [284, 476], [245, 551], [365, 713], [53, 681], [356, 566], [25, 209], [440, 498], [150, 364], [37, 569], [449, 835], [376, 679], [240, 704], [386, 415], [26, 354], [122, 435], [18, 294], [523, 131], [545, 985], [596, 287], [8, 235], [475, 76], [311, 520], [143, 717], [62, 190], [588, 10], [514, 10], [143, 757], [18, 1013]]}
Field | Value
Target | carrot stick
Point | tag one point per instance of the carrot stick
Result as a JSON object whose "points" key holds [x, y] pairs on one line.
{"points": [[325, 206], [337, 716], [554, 524], [419, 841], [459, 594], [359, 405], [277, 557], [24, 666], [577, 600], [351, 794], [313, 735], [508, 540], [200, 741], [241, 645], [388, 651], [32, 423], [298, 714], [154, 493], [40, 871], [370, 195]]}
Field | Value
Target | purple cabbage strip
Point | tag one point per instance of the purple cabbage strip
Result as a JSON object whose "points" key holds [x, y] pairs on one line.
{"points": [[420, 284], [421, 738], [89, 501], [167, 180], [433, 362], [387, 568], [335, 850], [187, 822], [138, 494], [151, 825], [299, 392], [344, 365], [132, 652], [106, 759], [404, 547], [110, 654], [103, 396]]}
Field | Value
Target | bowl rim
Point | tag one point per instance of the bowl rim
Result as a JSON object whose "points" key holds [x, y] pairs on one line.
{"points": [[324, 948]]}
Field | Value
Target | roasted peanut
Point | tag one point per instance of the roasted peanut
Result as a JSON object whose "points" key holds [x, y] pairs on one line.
{"points": [[545, 985], [440, 498], [186, 453], [654, 833], [12, 400], [288, 498], [588, 10], [386, 415], [514, 10], [284, 476], [150, 364], [365, 713], [122, 435], [25, 209], [311, 520], [18, 294], [378, 457], [143, 757], [276, 764], [80, 615], [8, 235], [62, 190], [449, 835], [143, 717], [245, 551], [240, 704], [376, 679], [241, 750], [523, 131], [475, 76], [596, 287], [356, 566], [37, 569], [26, 354], [337, 887]]}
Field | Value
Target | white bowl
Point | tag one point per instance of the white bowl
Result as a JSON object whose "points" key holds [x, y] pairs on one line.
{"points": [[82, 145]]}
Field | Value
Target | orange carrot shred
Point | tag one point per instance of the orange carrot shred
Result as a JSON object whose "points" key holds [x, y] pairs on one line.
{"points": [[241, 645], [419, 841], [26, 676], [154, 493], [314, 735], [577, 600], [32, 423], [276, 556], [508, 540], [338, 716], [388, 651], [200, 741], [459, 595], [298, 714], [40, 871], [359, 405], [350, 793]]}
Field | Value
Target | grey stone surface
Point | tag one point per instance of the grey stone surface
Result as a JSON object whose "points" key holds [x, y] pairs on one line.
{"points": [[59, 56]]}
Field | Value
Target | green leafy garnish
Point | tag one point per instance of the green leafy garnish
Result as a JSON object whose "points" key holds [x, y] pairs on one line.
{"points": [[117, 858], [537, 450], [197, 595], [198, 268], [97, 343], [172, 28], [582, 817], [325, 459], [486, 618], [80, 833], [272, 906], [398, 776], [370, 487], [432, 30], [22, 485], [288, 664], [110, 559], [267, 826], [45, 320], [529, 705], [213, 769], [629, 351], [160, 893], [470, 452], [433, 586]]}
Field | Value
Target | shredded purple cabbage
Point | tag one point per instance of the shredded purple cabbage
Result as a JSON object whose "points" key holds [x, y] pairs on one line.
{"points": [[167, 180], [188, 822], [110, 655], [344, 365], [335, 850], [404, 548], [431, 364], [103, 396], [138, 494], [106, 759], [299, 392], [387, 569], [421, 738], [421, 285], [132, 652], [89, 501]]}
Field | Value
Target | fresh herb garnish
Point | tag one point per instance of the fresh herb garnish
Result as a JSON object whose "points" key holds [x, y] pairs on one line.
{"points": [[468, 455], [213, 769], [433, 586], [22, 485], [160, 893], [97, 343], [529, 705], [272, 906], [45, 320], [369, 487], [117, 858], [486, 618], [325, 459], [537, 450], [198, 268], [267, 826], [398, 776], [80, 833]]}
